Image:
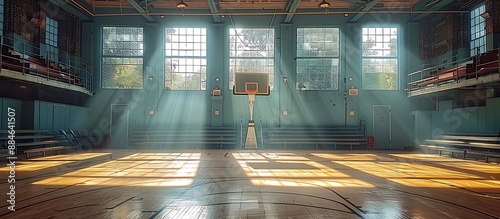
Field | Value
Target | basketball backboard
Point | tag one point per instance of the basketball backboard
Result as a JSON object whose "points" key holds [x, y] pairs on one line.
{"points": [[257, 82]]}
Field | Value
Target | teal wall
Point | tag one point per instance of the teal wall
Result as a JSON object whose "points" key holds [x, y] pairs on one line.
{"points": [[5, 104], [468, 120], [446, 119], [195, 108], [39, 115], [54, 117]]}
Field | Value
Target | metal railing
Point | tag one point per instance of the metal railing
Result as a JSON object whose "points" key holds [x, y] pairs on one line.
{"points": [[466, 68], [241, 145], [362, 128], [26, 59], [433, 75], [261, 133]]}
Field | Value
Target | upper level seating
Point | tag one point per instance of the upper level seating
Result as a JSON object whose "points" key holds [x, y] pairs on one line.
{"points": [[446, 74], [35, 64], [350, 137], [487, 62], [196, 137], [482, 145], [472, 67], [69, 72], [12, 61]]}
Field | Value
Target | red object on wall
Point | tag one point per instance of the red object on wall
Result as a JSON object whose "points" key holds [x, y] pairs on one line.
{"points": [[371, 142], [36, 21]]}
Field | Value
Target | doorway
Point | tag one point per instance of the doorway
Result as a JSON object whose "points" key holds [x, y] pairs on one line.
{"points": [[382, 126], [119, 126]]}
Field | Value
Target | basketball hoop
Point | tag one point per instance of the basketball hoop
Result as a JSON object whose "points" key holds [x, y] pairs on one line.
{"points": [[251, 91], [251, 94]]}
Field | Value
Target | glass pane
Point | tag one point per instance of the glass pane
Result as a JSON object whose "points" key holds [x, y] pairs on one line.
{"points": [[380, 74], [122, 41], [122, 66], [318, 42], [251, 42], [122, 73], [182, 72], [187, 68], [317, 74], [383, 44]]}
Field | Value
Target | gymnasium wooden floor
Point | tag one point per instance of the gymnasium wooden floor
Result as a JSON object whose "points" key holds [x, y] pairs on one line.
{"points": [[252, 184]]}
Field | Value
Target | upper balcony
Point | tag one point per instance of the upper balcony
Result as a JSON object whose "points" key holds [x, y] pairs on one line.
{"points": [[481, 69], [24, 62]]}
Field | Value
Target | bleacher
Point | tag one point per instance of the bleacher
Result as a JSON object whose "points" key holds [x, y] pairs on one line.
{"points": [[466, 145], [35, 142], [185, 138], [318, 138], [28, 61], [36, 65]]}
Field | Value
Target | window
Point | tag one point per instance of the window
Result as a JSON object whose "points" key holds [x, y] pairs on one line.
{"points": [[51, 37], [251, 50], [51, 32], [477, 31], [122, 57], [380, 59], [1, 16], [185, 59], [317, 58]]}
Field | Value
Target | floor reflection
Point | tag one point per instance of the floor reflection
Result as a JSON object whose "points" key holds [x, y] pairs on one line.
{"points": [[141, 169], [50, 162], [288, 169]]}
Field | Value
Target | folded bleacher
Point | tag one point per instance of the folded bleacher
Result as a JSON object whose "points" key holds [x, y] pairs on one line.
{"points": [[184, 138], [318, 138], [35, 143], [467, 145]]}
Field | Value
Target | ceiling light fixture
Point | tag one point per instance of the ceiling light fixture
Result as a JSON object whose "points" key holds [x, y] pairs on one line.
{"points": [[324, 4], [181, 5]]}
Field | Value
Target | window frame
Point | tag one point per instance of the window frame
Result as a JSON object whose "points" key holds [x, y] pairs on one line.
{"points": [[141, 57], [395, 58], [51, 32], [325, 57], [2, 14], [189, 60], [476, 36]]}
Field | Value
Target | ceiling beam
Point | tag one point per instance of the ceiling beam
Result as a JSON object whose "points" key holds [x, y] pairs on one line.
{"points": [[421, 4], [79, 3], [214, 9], [432, 5], [70, 7], [291, 6], [366, 8], [141, 10], [147, 2]]}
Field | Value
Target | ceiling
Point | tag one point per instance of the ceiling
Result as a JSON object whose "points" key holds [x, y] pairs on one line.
{"points": [[216, 8], [254, 4]]}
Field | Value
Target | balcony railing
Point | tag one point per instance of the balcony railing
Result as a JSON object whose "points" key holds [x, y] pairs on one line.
{"points": [[27, 60], [463, 69]]}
